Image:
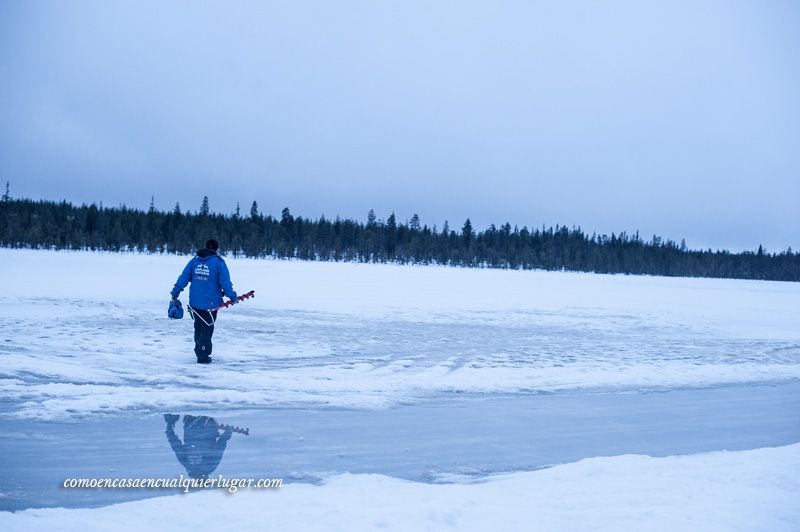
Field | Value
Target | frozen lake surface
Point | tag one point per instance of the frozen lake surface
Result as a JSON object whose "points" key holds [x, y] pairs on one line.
{"points": [[435, 375]]}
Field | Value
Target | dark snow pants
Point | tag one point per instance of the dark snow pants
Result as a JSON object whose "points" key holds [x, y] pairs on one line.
{"points": [[203, 330]]}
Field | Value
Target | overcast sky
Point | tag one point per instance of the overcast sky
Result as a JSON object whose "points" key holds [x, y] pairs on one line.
{"points": [[677, 118]]}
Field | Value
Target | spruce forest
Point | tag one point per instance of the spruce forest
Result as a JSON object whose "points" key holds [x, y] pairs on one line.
{"points": [[26, 223]]}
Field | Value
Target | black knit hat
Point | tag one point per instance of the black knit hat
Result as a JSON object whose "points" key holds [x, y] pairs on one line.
{"points": [[212, 244]]}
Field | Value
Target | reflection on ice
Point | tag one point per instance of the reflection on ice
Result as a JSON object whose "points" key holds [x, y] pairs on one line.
{"points": [[204, 442]]}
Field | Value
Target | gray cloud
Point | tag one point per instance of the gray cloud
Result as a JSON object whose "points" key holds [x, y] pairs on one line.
{"points": [[682, 119]]}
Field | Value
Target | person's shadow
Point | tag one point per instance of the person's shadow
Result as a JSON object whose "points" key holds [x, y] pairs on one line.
{"points": [[202, 447]]}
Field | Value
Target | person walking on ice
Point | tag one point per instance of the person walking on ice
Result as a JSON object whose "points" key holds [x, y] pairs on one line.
{"points": [[210, 280]]}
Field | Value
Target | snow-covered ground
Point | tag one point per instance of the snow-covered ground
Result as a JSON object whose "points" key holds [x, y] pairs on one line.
{"points": [[86, 334], [84, 338]]}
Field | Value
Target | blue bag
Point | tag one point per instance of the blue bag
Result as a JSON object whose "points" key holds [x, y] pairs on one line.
{"points": [[175, 311]]}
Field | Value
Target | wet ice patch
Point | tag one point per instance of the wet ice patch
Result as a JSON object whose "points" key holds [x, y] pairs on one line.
{"points": [[746, 490]]}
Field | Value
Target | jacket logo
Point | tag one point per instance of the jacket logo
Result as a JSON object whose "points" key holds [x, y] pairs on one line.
{"points": [[202, 270]]}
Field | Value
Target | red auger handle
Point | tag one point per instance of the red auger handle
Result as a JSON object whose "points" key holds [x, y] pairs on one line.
{"points": [[251, 293]]}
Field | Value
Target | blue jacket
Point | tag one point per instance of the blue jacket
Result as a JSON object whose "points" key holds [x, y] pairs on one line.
{"points": [[210, 279]]}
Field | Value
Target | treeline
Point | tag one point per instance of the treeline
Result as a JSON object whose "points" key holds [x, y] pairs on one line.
{"points": [[61, 225]]}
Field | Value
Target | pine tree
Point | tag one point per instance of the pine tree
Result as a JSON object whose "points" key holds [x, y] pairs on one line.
{"points": [[7, 195], [371, 218], [414, 224], [237, 212], [286, 218], [391, 236], [204, 207], [467, 232], [177, 210], [152, 208], [254, 211]]}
